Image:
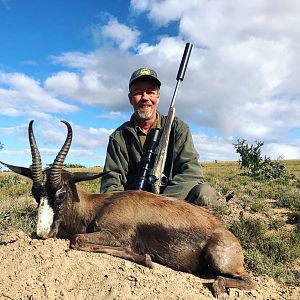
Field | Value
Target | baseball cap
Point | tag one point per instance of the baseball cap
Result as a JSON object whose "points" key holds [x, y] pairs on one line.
{"points": [[144, 72]]}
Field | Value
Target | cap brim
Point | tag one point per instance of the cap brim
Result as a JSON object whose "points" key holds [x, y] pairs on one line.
{"points": [[146, 77]]}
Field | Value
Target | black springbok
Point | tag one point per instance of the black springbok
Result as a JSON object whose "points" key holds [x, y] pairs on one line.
{"points": [[135, 225]]}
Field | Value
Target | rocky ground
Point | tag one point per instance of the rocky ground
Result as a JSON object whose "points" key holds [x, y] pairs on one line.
{"points": [[35, 269]]}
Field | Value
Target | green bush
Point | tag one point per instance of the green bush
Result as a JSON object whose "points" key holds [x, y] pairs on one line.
{"points": [[250, 156], [261, 264], [14, 186], [19, 215], [257, 167], [294, 217], [268, 252], [249, 231], [258, 205], [6, 181], [288, 198]]}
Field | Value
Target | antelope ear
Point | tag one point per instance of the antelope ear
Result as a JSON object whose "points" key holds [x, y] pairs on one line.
{"points": [[75, 196], [84, 176], [19, 170]]}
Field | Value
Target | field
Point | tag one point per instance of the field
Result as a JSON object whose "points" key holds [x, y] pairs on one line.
{"points": [[265, 215]]}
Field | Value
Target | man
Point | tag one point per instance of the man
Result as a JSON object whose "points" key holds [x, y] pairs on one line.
{"points": [[128, 143]]}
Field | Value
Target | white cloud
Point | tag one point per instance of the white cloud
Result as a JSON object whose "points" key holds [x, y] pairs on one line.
{"points": [[122, 35], [90, 87], [114, 115], [163, 12], [11, 111], [281, 150], [21, 129], [211, 148], [53, 132], [77, 60], [22, 95], [91, 138], [88, 144], [68, 81]]}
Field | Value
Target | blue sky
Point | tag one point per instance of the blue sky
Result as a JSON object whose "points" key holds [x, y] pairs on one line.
{"points": [[71, 60]]}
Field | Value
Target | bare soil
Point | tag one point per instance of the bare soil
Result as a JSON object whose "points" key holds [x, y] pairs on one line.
{"points": [[36, 269]]}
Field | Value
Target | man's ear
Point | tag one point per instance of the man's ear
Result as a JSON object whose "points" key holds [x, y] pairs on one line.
{"points": [[130, 98], [158, 96]]}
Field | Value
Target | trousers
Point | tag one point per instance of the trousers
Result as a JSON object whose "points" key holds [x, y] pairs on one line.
{"points": [[204, 195]]}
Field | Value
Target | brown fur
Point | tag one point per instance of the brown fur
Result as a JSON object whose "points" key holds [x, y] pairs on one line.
{"points": [[141, 226]]}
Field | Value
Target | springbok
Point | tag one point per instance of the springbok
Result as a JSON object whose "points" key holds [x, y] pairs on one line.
{"points": [[135, 225]]}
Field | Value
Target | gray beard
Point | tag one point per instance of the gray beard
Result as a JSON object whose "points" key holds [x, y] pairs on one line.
{"points": [[145, 116]]}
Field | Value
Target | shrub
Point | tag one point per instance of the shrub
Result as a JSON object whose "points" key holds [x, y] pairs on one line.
{"points": [[14, 186], [67, 166], [290, 199], [261, 264], [268, 252], [257, 167], [21, 214], [249, 231], [258, 204], [250, 156], [8, 180]]}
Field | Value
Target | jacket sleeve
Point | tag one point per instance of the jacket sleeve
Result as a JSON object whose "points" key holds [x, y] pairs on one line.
{"points": [[117, 163], [187, 171]]}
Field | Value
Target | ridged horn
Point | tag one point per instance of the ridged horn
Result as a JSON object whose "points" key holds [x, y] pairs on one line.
{"points": [[36, 168], [55, 172]]}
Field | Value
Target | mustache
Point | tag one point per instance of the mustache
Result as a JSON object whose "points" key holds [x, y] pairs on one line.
{"points": [[149, 103]]}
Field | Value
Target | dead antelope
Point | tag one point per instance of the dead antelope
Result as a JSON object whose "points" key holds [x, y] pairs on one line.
{"points": [[135, 225]]}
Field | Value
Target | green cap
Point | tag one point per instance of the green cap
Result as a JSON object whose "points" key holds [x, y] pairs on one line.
{"points": [[144, 73]]}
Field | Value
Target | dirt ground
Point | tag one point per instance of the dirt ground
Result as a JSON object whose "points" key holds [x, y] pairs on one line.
{"points": [[35, 269]]}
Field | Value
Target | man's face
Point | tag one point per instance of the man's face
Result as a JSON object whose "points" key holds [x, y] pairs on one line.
{"points": [[144, 97]]}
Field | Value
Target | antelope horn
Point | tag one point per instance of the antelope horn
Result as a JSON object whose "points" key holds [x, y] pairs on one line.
{"points": [[84, 176], [36, 168], [55, 172]]}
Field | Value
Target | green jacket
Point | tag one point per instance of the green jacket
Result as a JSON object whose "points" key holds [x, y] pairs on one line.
{"points": [[124, 154]]}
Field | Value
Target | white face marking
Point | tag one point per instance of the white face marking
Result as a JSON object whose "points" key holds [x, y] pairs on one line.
{"points": [[44, 218]]}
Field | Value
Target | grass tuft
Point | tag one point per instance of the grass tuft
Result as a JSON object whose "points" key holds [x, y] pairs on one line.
{"points": [[19, 215]]}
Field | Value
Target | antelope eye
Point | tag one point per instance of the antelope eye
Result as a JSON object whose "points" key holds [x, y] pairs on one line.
{"points": [[38, 192], [60, 195]]}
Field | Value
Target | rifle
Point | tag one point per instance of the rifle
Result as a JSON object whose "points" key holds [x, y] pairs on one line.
{"points": [[146, 162], [155, 175]]}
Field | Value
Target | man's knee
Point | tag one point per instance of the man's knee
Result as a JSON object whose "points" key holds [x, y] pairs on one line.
{"points": [[204, 195]]}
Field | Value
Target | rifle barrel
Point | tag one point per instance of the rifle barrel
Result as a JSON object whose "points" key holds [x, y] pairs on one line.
{"points": [[184, 61], [182, 68]]}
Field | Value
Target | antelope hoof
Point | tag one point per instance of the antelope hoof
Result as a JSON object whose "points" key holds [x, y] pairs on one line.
{"points": [[148, 261], [218, 288], [76, 242]]}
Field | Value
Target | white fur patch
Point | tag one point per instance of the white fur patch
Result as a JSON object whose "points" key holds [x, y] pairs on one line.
{"points": [[44, 218]]}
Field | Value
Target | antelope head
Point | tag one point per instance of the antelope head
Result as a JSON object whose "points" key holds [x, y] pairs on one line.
{"points": [[52, 188]]}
